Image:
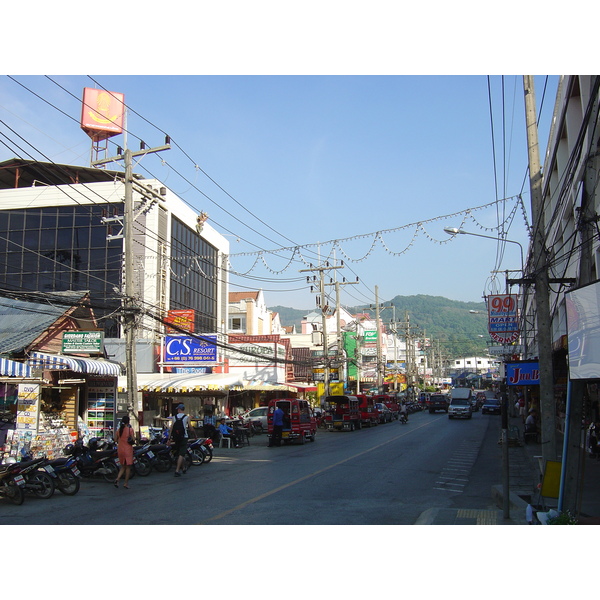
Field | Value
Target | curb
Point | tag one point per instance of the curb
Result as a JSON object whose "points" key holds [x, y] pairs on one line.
{"points": [[516, 504]]}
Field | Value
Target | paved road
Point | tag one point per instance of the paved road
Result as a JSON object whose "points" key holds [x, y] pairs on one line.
{"points": [[388, 474]]}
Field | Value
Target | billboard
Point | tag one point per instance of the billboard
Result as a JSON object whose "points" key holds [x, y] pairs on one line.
{"points": [[102, 113], [523, 373], [583, 331], [186, 349], [179, 319], [503, 318]]}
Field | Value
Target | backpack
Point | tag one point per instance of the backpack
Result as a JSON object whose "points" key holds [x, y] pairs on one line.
{"points": [[178, 431]]}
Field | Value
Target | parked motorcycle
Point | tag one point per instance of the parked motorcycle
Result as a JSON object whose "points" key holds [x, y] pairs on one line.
{"points": [[33, 478], [9, 486], [67, 475], [92, 462], [207, 448]]}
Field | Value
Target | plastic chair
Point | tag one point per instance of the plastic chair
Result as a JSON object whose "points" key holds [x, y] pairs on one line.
{"points": [[224, 439]]}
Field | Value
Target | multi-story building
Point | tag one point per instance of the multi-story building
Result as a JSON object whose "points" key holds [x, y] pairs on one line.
{"points": [[61, 229], [570, 205]]}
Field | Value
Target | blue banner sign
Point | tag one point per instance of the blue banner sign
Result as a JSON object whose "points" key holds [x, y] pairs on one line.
{"points": [[523, 373], [186, 349]]}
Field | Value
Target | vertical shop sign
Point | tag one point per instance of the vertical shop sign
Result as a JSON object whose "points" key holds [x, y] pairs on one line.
{"points": [[28, 402], [503, 319]]}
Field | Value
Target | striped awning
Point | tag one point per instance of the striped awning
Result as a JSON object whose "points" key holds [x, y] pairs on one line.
{"points": [[13, 368], [59, 362], [171, 383]]}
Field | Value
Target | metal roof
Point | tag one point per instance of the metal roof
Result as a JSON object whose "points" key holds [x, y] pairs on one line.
{"points": [[19, 173], [22, 322]]}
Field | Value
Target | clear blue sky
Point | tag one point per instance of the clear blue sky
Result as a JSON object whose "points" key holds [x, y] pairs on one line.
{"points": [[305, 160]]}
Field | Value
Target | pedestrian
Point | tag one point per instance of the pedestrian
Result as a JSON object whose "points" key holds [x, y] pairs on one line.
{"points": [[278, 421], [179, 438], [125, 438], [521, 401], [228, 432]]}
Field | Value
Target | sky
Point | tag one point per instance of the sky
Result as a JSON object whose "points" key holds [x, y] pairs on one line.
{"points": [[321, 163]]}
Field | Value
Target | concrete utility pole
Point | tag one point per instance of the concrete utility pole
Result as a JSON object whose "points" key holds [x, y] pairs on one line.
{"points": [[569, 496], [130, 308], [540, 276], [324, 310], [340, 342]]}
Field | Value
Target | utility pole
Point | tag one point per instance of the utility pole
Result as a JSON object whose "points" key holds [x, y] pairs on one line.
{"points": [[540, 273], [130, 309], [340, 342], [322, 302]]}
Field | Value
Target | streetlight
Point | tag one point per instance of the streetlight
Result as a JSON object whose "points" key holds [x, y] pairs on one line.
{"points": [[456, 231], [505, 467]]}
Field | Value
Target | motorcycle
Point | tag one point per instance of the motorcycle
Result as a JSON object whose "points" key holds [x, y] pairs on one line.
{"points": [[92, 462], [65, 473], [33, 477], [201, 450], [403, 418], [10, 487], [207, 448]]}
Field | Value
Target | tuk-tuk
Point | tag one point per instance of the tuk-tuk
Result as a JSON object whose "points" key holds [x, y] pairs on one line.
{"points": [[342, 412], [390, 401], [300, 423], [369, 415]]}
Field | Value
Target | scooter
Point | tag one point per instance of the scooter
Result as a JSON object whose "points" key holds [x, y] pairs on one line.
{"points": [[403, 418], [92, 462], [32, 477], [64, 471], [10, 488]]}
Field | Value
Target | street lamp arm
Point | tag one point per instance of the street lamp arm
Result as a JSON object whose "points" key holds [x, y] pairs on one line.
{"points": [[455, 231]]}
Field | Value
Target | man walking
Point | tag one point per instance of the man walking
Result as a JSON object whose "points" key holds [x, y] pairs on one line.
{"points": [[179, 437]]}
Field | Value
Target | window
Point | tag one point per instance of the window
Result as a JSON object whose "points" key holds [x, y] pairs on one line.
{"points": [[237, 323]]}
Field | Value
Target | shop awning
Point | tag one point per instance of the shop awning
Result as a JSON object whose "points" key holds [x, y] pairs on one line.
{"points": [[303, 387], [176, 382], [59, 362], [13, 368], [265, 386]]}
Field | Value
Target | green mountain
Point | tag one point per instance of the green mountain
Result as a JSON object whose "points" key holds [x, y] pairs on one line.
{"points": [[460, 327]]}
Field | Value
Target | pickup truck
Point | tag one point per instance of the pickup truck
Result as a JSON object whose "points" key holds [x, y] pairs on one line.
{"points": [[437, 402]]}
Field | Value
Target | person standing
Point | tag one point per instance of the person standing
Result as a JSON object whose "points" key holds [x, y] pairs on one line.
{"points": [[278, 421], [124, 438], [179, 438]]}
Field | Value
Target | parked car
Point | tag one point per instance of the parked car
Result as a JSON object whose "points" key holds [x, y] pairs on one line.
{"points": [[385, 414], [437, 402], [460, 408], [491, 406], [257, 414]]}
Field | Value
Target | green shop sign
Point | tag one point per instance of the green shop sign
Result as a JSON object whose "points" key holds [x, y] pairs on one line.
{"points": [[370, 336], [83, 341]]}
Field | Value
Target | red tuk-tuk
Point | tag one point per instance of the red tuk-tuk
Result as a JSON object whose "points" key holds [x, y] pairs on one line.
{"points": [[369, 415], [390, 401], [301, 424], [342, 412]]}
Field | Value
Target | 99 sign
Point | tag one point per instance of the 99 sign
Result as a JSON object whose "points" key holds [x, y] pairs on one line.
{"points": [[504, 305]]}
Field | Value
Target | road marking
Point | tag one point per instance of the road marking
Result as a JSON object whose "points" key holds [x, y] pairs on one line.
{"points": [[310, 475]]}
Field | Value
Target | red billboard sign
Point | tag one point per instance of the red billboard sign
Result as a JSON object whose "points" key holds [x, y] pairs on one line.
{"points": [[102, 113], [180, 320]]}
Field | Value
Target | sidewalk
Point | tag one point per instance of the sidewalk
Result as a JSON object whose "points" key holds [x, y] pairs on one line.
{"points": [[525, 473]]}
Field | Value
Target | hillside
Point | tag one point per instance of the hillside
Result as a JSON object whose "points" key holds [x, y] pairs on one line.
{"points": [[460, 332]]}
